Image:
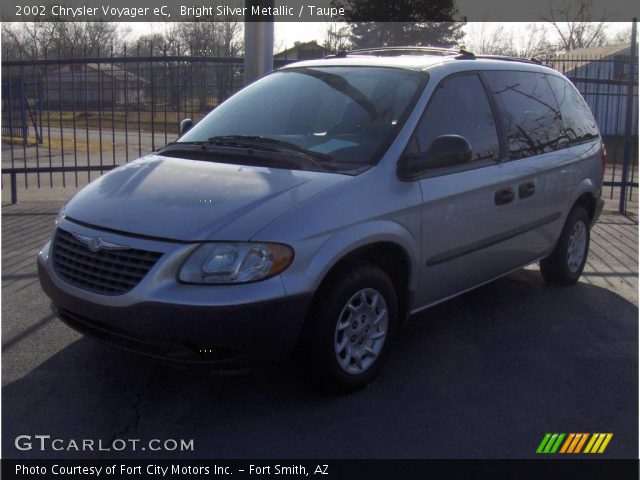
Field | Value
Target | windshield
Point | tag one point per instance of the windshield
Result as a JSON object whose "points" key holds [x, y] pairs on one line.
{"points": [[345, 116]]}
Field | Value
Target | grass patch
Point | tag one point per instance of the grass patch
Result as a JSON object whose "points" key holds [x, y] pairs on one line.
{"points": [[119, 120], [56, 145], [31, 142]]}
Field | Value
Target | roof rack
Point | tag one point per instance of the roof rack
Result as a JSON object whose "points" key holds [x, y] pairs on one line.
{"points": [[464, 55], [460, 54], [391, 51]]}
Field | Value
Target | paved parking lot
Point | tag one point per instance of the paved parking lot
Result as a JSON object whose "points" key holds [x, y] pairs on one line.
{"points": [[481, 376]]}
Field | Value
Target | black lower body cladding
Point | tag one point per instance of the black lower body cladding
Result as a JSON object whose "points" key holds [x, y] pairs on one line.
{"points": [[230, 337]]}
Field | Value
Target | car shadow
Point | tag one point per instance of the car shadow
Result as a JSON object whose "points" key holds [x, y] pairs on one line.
{"points": [[484, 375]]}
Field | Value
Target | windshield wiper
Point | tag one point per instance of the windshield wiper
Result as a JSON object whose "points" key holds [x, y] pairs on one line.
{"points": [[270, 144], [279, 152]]}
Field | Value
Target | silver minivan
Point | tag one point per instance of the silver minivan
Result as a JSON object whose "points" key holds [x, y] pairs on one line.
{"points": [[318, 208]]}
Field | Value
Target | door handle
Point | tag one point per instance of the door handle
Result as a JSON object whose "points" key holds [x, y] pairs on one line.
{"points": [[504, 196], [526, 190]]}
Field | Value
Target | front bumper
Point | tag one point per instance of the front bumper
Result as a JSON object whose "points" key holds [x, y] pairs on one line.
{"points": [[220, 334]]}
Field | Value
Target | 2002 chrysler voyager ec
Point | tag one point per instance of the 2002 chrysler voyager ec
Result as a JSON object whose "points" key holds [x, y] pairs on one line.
{"points": [[319, 207]]}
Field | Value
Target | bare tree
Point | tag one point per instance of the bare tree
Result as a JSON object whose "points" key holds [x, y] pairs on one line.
{"points": [[216, 37], [153, 44], [34, 40], [487, 38], [534, 42], [576, 24], [622, 36], [10, 43], [337, 37], [231, 37], [530, 41]]}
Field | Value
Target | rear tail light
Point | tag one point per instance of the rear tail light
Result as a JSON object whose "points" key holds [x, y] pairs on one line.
{"points": [[603, 156]]}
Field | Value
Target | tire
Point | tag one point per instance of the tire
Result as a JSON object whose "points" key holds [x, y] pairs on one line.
{"points": [[339, 357], [563, 267]]}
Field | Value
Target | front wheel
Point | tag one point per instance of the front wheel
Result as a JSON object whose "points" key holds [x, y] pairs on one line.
{"points": [[350, 328], [565, 264]]}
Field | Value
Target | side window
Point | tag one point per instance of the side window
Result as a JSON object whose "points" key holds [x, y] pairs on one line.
{"points": [[529, 111], [578, 123], [459, 106]]}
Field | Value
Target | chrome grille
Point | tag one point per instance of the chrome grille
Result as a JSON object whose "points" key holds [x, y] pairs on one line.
{"points": [[108, 272]]}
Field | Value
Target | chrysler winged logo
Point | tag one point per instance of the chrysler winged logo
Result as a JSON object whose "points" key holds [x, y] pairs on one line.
{"points": [[97, 243]]}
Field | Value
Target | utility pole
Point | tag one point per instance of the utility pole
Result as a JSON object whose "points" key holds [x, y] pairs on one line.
{"points": [[258, 42]]}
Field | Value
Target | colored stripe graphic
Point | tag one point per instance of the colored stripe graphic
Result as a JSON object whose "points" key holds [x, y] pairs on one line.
{"points": [[544, 441], [605, 443], [551, 443], [598, 442], [556, 445], [581, 442], [574, 444], [567, 443], [596, 445]]}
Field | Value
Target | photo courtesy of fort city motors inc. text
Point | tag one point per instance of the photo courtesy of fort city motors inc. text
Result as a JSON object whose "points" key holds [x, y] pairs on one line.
{"points": [[335, 239]]}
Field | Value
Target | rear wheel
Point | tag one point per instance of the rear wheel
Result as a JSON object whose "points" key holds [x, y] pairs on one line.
{"points": [[350, 328], [565, 264]]}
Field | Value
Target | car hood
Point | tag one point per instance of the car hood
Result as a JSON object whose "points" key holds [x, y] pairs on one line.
{"points": [[192, 200]]}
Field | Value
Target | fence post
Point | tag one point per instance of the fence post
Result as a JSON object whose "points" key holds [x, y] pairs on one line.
{"points": [[23, 115], [14, 188], [628, 119]]}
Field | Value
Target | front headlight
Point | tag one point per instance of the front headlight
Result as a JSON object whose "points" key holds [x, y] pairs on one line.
{"points": [[224, 263]]}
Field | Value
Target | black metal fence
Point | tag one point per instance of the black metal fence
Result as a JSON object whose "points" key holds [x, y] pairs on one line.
{"points": [[609, 84], [67, 120]]}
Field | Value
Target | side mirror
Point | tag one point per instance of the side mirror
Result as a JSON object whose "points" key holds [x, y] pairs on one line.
{"points": [[185, 126], [444, 151]]}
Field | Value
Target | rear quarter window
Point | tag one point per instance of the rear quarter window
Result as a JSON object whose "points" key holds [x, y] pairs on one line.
{"points": [[529, 112], [578, 122]]}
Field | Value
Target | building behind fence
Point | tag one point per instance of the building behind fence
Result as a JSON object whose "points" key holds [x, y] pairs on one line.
{"points": [[602, 74], [66, 119], [91, 84]]}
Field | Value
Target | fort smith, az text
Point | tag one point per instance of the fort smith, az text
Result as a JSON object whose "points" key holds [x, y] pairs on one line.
{"points": [[168, 470]]}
